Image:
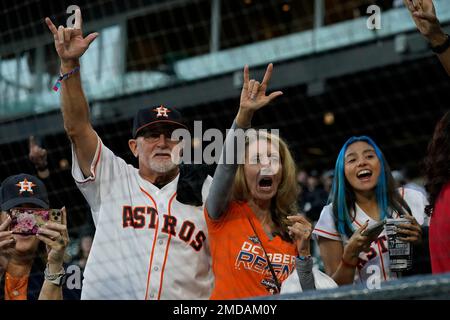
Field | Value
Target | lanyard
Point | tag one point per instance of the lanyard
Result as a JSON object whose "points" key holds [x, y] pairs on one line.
{"points": [[275, 279]]}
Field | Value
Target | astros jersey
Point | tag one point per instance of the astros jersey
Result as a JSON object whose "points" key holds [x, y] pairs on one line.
{"points": [[239, 263], [147, 245], [373, 267]]}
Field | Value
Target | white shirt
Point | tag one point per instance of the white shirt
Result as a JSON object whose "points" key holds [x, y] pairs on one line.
{"points": [[373, 267], [147, 245]]}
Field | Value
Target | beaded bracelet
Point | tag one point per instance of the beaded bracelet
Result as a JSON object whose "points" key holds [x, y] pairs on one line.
{"points": [[64, 77]]}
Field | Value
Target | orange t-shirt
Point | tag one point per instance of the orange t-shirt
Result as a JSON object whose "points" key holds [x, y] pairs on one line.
{"points": [[239, 264], [15, 288]]}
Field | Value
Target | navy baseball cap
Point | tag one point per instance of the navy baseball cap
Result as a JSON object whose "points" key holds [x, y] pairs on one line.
{"points": [[148, 117], [23, 188]]}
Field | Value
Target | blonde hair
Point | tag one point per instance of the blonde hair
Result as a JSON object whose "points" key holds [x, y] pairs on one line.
{"points": [[284, 203]]}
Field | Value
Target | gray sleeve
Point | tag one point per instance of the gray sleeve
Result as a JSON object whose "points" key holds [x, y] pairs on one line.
{"points": [[304, 271], [221, 187]]}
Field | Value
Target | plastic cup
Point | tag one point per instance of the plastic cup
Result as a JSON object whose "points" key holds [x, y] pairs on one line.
{"points": [[400, 252]]}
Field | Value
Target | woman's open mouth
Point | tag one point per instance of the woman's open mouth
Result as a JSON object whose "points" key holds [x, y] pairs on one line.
{"points": [[265, 183], [364, 175]]}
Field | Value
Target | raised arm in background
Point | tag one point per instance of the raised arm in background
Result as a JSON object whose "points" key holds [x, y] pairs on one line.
{"points": [[70, 46], [424, 15], [253, 98]]}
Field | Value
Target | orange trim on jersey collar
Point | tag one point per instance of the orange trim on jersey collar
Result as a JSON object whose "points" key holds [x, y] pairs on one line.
{"points": [[326, 232], [151, 198], [167, 248], [357, 223], [89, 179]]}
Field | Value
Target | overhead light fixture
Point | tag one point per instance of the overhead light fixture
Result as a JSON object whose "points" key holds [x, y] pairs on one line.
{"points": [[328, 118], [315, 151], [64, 164], [286, 7]]}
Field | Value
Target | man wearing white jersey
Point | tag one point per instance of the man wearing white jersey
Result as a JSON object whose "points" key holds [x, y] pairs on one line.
{"points": [[150, 242]]}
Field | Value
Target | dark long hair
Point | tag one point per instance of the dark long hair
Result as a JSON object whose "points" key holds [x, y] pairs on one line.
{"points": [[343, 197], [437, 161]]}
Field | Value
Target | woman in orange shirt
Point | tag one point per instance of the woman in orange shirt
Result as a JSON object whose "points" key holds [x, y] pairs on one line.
{"points": [[254, 230]]}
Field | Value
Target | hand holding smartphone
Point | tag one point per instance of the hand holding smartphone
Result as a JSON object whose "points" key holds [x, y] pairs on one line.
{"points": [[27, 221], [374, 230]]}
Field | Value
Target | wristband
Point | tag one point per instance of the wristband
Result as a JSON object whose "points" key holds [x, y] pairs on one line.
{"points": [[304, 258], [443, 47], [348, 265], [64, 77], [57, 279]]}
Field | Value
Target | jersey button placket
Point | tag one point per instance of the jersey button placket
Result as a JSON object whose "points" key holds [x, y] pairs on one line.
{"points": [[156, 269]]}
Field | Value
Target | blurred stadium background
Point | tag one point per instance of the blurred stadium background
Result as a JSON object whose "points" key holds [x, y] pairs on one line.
{"points": [[339, 78]]}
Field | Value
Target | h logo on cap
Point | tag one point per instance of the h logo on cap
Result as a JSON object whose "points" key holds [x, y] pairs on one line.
{"points": [[26, 186], [162, 112]]}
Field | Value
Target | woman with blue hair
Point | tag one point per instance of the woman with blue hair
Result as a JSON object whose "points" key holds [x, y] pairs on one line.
{"points": [[362, 195]]}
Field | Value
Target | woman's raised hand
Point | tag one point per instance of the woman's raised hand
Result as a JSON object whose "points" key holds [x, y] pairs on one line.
{"points": [[253, 96]]}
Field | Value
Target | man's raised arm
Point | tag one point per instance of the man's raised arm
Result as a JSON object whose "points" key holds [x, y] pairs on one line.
{"points": [[424, 15], [70, 46]]}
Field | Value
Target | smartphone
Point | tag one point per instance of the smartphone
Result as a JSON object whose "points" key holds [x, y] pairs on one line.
{"points": [[374, 230], [27, 221]]}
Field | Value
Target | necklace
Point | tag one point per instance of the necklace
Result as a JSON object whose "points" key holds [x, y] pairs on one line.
{"points": [[15, 288]]}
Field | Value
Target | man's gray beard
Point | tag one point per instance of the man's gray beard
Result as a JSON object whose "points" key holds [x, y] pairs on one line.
{"points": [[162, 167]]}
